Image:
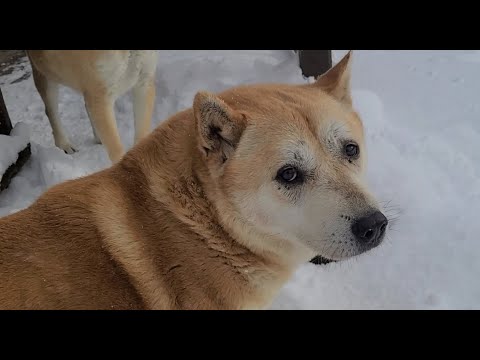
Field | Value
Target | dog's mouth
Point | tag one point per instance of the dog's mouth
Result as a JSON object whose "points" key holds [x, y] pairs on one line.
{"points": [[320, 260]]}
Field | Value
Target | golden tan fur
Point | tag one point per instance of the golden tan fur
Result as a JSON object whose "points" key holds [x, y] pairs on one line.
{"points": [[101, 76], [177, 223]]}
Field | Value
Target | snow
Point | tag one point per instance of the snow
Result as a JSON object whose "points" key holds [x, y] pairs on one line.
{"points": [[11, 145], [421, 114]]}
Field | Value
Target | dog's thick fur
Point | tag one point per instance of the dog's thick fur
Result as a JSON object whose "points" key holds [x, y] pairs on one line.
{"points": [[101, 76], [193, 216]]}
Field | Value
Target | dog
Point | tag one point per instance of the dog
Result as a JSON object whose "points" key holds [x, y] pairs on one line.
{"points": [[101, 76], [215, 209]]}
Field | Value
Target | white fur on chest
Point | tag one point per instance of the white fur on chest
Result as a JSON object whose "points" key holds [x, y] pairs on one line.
{"points": [[120, 71]]}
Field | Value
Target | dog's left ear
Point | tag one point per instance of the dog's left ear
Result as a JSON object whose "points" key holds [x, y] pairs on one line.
{"points": [[219, 126], [336, 81]]}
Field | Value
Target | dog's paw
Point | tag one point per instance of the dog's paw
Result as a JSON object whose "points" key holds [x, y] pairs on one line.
{"points": [[67, 148], [70, 150]]}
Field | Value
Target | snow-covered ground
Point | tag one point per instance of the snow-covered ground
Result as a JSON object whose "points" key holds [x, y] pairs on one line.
{"points": [[421, 111]]}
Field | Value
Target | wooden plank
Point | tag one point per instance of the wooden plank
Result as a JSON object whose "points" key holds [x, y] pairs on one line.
{"points": [[5, 123], [15, 168], [315, 62]]}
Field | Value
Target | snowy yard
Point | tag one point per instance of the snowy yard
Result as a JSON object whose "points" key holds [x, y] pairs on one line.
{"points": [[421, 111]]}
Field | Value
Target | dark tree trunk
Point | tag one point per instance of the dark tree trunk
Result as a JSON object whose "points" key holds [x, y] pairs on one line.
{"points": [[23, 156]]}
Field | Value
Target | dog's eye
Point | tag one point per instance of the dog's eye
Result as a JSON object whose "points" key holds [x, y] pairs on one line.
{"points": [[288, 174], [352, 150]]}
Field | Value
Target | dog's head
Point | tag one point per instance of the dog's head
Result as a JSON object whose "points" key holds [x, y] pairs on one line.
{"points": [[289, 161]]}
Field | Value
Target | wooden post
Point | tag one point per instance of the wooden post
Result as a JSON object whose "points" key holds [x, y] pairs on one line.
{"points": [[5, 123], [23, 156], [315, 62]]}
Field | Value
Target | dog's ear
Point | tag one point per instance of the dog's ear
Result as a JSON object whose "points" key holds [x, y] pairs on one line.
{"points": [[219, 126], [336, 81]]}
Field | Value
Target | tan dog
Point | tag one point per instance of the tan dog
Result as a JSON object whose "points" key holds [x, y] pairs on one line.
{"points": [[214, 210], [101, 76]]}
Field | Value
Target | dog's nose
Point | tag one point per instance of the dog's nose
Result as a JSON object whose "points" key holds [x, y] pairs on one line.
{"points": [[370, 229]]}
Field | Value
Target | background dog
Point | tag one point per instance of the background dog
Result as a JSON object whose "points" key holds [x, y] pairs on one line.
{"points": [[101, 76]]}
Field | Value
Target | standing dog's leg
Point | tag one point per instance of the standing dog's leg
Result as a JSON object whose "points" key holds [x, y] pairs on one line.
{"points": [[48, 91], [95, 136], [102, 118], [143, 102]]}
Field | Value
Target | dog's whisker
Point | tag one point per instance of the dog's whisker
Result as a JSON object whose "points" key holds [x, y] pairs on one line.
{"points": [[330, 247], [393, 211]]}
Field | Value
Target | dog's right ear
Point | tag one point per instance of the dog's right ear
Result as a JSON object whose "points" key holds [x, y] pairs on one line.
{"points": [[219, 126], [336, 81]]}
